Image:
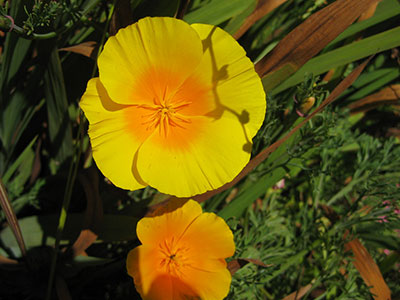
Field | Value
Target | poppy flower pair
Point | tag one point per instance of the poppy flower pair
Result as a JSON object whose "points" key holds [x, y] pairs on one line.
{"points": [[175, 107]]}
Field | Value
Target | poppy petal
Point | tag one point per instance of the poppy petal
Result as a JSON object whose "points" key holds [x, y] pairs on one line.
{"points": [[237, 87], [202, 235], [143, 265], [148, 59], [172, 225], [203, 156], [210, 285], [108, 131]]}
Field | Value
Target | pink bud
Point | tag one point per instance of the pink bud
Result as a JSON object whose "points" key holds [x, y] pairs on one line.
{"points": [[280, 184]]}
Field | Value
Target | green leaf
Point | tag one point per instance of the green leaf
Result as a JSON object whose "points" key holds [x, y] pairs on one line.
{"points": [[294, 260], [60, 131], [344, 55], [41, 230], [217, 11], [21, 160], [11, 115], [237, 21], [15, 48], [387, 9], [375, 84]]}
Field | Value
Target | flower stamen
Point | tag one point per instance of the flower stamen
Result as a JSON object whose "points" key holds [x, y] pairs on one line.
{"points": [[165, 114]]}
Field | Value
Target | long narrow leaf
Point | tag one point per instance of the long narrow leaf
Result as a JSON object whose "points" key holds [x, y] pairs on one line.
{"points": [[387, 9], [17, 163], [389, 95], [11, 218], [57, 109], [217, 11], [369, 271], [344, 55], [308, 39], [263, 8]]}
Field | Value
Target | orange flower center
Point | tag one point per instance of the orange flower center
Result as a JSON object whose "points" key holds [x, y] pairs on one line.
{"points": [[170, 108], [164, 114], [174, 257]]}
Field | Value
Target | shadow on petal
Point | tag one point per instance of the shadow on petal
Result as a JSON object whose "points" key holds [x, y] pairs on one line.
{"points": [[220, 74], [166, 287], [105, 99]]}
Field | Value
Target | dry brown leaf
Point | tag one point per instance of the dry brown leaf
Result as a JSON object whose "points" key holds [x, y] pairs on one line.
{"points": [[388, 95], [368, 269], [85, 239], [343, 85], [368, 13], [183, 5], [364, 16], [262, 9], [121, 17], [7, 261], [309, 38], [93, 214], [363, 261], [236, 264], [88, 49], [298, 294]]}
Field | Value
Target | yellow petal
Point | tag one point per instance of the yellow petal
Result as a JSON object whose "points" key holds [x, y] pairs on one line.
{"points": [[202, 156], [156, 230], [209, 285], [151, 282], [166, 287], [149, 59], [114, 144], [143, 264], [209, 237], [237, 87], [208, 241]]}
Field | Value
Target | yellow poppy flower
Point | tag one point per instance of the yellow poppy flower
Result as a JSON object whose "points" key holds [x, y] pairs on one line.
{"points": [[175, 107], [182, 255]]}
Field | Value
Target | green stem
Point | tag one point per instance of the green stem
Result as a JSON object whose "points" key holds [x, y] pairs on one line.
{"points": [[320, 183], [7, 25], [347, 189], [103, 37], [73, 170]]}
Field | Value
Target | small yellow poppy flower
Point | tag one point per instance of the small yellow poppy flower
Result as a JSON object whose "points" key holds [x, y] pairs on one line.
{"points": [[182, 255], [175, 107]]}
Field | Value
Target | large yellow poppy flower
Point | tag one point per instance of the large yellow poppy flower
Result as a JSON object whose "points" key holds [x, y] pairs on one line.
{"points": [[175, 107], [182, 255]]}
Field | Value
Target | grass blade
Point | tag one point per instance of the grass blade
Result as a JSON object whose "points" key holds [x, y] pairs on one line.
{"points": [[11, 218], [217, 11], [308, 39], [387, 9], [60, 131], [388, 95], [10, 171], [263, 8], [341, 56]]}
